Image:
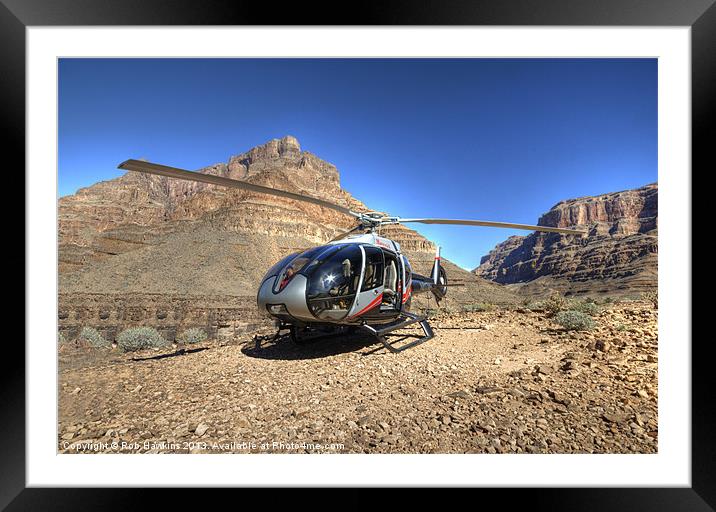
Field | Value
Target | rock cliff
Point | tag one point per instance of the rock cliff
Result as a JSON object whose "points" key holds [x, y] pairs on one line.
{"points": [[618, 257]]}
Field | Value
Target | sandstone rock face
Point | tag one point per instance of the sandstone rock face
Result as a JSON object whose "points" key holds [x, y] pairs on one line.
{"points": [[619, 255], [143, 236], [137, 210], [144, 203]]}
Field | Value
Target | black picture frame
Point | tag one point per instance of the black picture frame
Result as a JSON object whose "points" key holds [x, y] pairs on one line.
{"points": [[700, 15]]}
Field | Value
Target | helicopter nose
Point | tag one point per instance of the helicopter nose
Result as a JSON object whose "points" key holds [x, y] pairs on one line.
{"points": [[290, 301]]}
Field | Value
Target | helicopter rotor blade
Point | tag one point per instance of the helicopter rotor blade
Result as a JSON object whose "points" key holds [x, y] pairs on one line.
{"points": [[346, 233], [181, 174], [337, 237], [528, 227]]}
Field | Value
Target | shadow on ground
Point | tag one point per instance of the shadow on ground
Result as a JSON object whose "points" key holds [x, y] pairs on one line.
{"points": [[325, 346], [179, 352]]}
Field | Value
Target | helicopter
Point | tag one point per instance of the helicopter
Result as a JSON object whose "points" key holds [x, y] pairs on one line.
{"points": [[358, 280]]}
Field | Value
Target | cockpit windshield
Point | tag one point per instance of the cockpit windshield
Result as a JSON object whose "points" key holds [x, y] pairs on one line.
{"points": [[333, 281], [295, 266], [277, 267]]}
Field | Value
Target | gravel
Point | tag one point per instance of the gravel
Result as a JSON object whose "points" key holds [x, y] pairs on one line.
{"points": [[551, 392]]}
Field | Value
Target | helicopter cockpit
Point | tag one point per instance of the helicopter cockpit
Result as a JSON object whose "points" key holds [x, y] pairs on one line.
{"points": [[333, 281], [336, 281]]}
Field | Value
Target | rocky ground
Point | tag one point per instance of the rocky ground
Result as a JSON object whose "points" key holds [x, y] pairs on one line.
{"points": [[504, 381]]}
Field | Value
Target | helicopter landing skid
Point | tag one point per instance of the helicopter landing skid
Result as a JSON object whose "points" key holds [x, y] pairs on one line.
{"points": [[403, 321]]}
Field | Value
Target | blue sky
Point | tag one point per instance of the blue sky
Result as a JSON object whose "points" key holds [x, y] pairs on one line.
{"points": [[488, 139]]}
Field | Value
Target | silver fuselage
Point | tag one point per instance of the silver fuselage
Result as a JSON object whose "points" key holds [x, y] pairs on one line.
{"points": [[344, 282]]}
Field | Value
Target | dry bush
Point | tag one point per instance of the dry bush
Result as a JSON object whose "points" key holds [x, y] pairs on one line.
{"points": [[554, 304], [574, 320], [138, 338], [193, 335], [92, 337], [587, 307]]}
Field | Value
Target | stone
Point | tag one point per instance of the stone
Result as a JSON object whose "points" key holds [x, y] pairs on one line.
{"points": [[243, 422], [602, 345], [544, 369], [568, 365], [301, 412], [613, 417]]}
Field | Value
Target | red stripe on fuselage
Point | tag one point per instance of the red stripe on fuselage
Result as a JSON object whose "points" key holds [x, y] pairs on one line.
{"points": [[407, 294], [373, 304]]}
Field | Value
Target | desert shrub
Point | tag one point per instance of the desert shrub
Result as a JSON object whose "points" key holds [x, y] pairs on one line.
{"points": [[574, 320], [608, 300], [138, 338], [651, 296], [93, 338], [193, 335], [554, 304], [428, 312], [536, 305], [586, 307], [61, 340]]}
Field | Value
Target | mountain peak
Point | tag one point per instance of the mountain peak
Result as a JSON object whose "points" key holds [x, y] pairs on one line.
{"points": [[285, 147], [289, 143]]}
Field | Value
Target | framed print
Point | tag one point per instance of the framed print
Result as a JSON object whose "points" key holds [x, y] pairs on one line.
{"points": [[429, 254]]}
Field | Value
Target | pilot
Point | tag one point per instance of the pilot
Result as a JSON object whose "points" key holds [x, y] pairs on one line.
{"points": [[287, 277], [341, 285]]}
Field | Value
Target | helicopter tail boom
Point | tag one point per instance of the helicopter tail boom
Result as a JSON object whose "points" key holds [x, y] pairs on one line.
{"points": [[437, 283]]}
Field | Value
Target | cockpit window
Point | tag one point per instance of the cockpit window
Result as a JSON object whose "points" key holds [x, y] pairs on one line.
{"points": [[273, 271], [333, 282], [319, 258], [295, 266]]}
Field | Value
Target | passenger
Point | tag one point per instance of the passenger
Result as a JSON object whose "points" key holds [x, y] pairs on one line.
{"points": [[347, 274], [346, 268]]}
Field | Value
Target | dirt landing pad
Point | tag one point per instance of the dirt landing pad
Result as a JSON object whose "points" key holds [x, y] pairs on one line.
{"points": [[491, 382]]}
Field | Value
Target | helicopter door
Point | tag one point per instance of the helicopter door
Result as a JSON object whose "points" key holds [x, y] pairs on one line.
{"points": [[392, 283], [371, 287]]}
